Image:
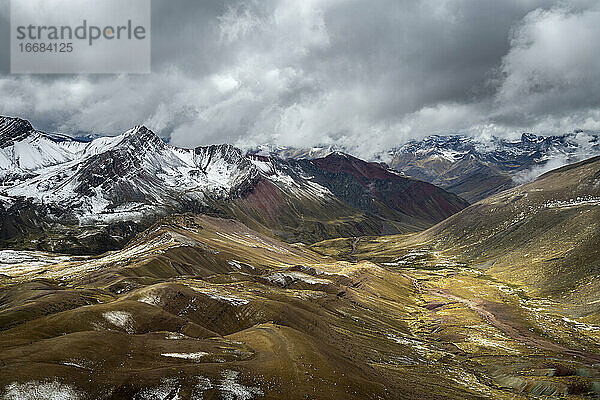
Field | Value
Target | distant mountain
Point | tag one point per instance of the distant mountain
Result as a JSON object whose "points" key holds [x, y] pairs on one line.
{"points": [[296, 153], [374, 188], [475, 170], [116, 186], [471, 168]]}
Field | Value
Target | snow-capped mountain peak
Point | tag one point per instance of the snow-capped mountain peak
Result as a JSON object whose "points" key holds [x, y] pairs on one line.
{"points": [[142, 137], [531, 138], [112, 187], [23, 150], [13, 130], [286, 152], [475, 169], [125, 176]]}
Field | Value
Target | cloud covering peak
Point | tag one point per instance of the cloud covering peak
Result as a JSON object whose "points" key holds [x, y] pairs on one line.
{"points": [[366, 75]]}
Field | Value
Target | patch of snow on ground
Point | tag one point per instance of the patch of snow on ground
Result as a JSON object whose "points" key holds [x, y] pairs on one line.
{"points": [[16, 263], [285, 278], [150, 298], [79, 363], [582, 325], [122, 319], [452, 155], [202, 384], [71, 364], [578, 202], [318, 190], [175, 336], [30, 257], [415, 344], [231, 300], [36, 390], [186, 356], [228, 299], [232, 390], [167, 390], [490, 343], [265, 167]]}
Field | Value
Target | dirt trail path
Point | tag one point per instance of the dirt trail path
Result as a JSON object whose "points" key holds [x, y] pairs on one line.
{"points": [[515, 332], [354, 245], [355, 241], [505, 325]]}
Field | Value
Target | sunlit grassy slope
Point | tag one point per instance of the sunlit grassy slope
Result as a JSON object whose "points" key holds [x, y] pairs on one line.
{"points": [[545, 234], [201, 307]]}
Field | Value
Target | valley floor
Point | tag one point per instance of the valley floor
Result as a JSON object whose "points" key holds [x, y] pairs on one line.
{"points": [[205, 308]]}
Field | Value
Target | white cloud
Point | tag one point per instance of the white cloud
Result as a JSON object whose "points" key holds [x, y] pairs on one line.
{"points": [[553, 67], [367, 75]]}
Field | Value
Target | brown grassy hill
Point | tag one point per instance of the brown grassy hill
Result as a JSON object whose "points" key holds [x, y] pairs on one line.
{"points": [[206, 308]]}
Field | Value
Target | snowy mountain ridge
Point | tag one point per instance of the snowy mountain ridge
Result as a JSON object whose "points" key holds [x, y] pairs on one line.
{"points": [[467, 166], [529, 149], [296, 153], [515, 154], [80, 196], [121, 176], [475, 169]]}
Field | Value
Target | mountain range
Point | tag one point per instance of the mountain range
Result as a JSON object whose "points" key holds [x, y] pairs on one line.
{"points": [[472, 168], [71, 195]]}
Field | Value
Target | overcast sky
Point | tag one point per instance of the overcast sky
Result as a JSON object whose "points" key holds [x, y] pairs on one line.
{"points": [[367, 74]]}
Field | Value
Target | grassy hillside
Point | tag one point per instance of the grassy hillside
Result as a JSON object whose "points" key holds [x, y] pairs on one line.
{"points": [[545, 234], [201, 307]]}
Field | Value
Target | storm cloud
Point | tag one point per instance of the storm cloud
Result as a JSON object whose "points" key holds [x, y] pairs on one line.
{"points": [[367, 75]]}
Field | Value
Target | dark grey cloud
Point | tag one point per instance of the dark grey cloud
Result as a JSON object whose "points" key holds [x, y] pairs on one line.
{"points": [[365, 74], [4, 36]]}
